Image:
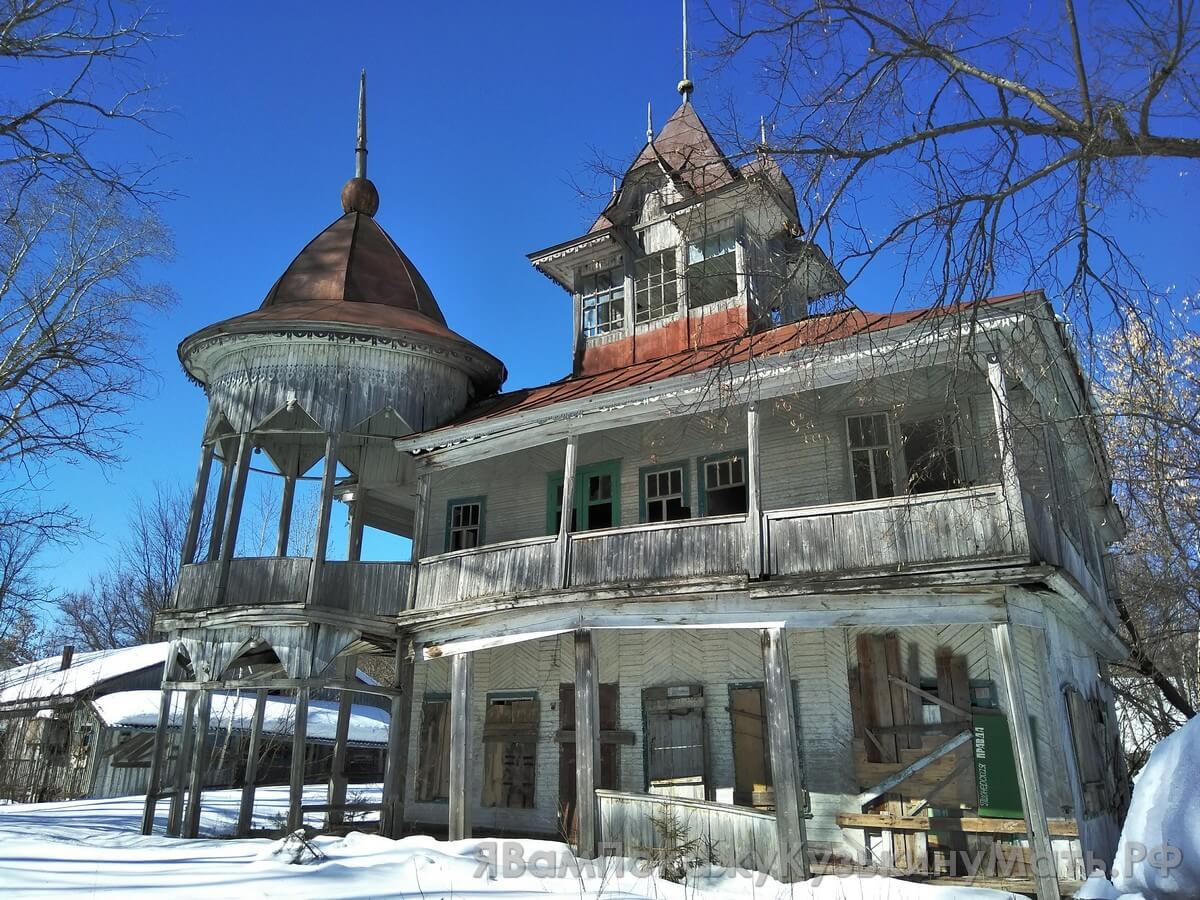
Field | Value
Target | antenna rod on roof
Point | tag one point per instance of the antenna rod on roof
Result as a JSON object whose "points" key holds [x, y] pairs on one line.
{"points": [[649, 123], [360, 150], [685, 86]]}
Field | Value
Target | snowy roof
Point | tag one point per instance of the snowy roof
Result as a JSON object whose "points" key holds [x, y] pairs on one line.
{"points": [[139, 709], [43, 680]]}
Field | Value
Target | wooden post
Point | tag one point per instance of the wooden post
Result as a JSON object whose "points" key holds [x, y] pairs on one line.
{"points": [[246, 810], [420, 524], [347, 669], [299, 744], [328, 477], [199, 495], [754, 545], [234, 517], [285, 515], [1059, 679], [587, 744], [191, 826], [1009, 478], [391, 817], [217, 531], [154, 782], [182, 765], [358, 510], [568, 507], [786, 776], [1038, 829], [461, 666]]}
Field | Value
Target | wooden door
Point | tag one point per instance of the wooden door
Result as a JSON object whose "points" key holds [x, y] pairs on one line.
{"points": [[609, 757], [751, 762], [676, 756]]}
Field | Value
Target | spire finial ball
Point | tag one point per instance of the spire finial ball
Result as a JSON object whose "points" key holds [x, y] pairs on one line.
{"points": [[360, 195], [685, 87]]}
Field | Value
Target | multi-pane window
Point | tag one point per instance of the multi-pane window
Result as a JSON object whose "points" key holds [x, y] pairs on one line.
{"points": [[655, 287], [465, 526], [712, 268], [930, 455], [603, 295], [725, 486], [510, 731], [598, 503], [870, 456], [664, 493], [596, 500]]}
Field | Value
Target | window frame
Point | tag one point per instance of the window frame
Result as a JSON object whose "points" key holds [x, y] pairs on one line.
{"points": [[952, 427], [481, 502], [702, 478], [734, 228], [615, 293], [889, 445], [555, 479], [650, 287], [686, 496]]}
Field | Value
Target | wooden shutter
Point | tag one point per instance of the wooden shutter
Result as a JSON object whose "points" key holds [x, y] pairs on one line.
{"points": [[510, 732], [433, 769]]}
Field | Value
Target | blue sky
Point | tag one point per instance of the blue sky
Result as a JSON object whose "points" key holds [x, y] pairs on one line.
{"points": [[481, 117]]}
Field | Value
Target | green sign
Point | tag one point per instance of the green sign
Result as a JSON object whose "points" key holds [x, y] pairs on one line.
{"points": [[995, 768]]}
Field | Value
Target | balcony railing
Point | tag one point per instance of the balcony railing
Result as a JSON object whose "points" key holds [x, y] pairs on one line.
{"points": [[691, 548], [495, 570]]}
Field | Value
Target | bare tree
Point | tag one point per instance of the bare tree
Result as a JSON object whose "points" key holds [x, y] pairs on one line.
{"points": [[1001, 142]]}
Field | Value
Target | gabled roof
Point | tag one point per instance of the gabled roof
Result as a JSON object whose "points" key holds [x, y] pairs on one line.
{"points": [[42, 680]]}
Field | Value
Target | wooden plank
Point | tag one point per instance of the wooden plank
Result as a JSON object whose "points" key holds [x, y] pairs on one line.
{"points": [[246, 807], [233, 518], [201, 744], [782, 734], [324, 513], [607, 736], [220, 503], [561, 567], [295, 817], [1064, 828], [1027, 775], [395, 774], [960, 711], [461, 796], [587, 743], [283, 535], [336, 791], [876, 791], [876, 694], [916, 715], [182, 766], [754, 523], [154, 779], [900, 705], [196, 513], [1018, 533]]}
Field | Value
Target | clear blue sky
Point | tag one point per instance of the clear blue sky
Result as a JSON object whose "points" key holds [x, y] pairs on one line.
{"points": [[481, 115]]}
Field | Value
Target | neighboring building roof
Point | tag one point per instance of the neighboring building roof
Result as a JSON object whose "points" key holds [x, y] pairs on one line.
{"points": [[42, 680], [139, 709]]}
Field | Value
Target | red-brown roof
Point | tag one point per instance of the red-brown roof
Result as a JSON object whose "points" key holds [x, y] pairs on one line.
{"points": [[783, 339]]}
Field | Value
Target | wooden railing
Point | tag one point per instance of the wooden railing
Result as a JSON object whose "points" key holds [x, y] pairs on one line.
{"points": [[659, 552], [1052, 543], [365, 588], [495, 570], [253, 581], [896, 533], [737, 835]]}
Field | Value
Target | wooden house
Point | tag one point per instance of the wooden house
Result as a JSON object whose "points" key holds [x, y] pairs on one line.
{"points": [[823, 585]]}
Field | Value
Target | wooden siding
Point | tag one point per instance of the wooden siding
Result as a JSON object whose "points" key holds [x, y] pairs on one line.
{"points": [[365, 588], [898, 533], [252, 581], [492, 571], [693, 547]]}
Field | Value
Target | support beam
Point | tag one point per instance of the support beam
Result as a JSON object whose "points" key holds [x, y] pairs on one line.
{"points": [[191, 826], [324, 513], [420, 525], [233, 518], [182, 766], [461, 672], [217, 530], [873, 793], [346, 667], [1037, 827], [754, 545], [285, 515], [246, 810], [154, 782], [1060, 679], [199, 494], [391, 817], [786, 776], [587, 745], [562, 562], [1009, 478], [299, 743], [358, 512]]}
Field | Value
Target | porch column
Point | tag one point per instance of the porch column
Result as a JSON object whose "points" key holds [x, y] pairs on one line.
{"points": [[754, 547], [783, 736], [347, 669], [461, 672], [358, 510], [1010, 481], [1060, 679], [391, 817], [568, 506], [217, 531], [420, 524], [328, 477], [246, 810], [199, 494], [191, 826], [285, 515], [234, 516], [1038, 829], [299, 743], [154, 783], [183, 763], [587, 744]]}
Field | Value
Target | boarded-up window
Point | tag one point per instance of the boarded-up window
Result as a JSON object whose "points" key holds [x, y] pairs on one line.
{"points": [[133, 750], [510, 733], [752, 785], [675, 749], [1088, 734], [433, 759]]}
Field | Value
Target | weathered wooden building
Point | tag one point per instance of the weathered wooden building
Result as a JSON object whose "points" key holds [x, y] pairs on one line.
{"points": [[814, 579]]}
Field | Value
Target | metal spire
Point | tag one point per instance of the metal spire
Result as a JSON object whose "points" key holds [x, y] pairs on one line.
{"points": [[649, 123], [685, 86], [360, 151]]}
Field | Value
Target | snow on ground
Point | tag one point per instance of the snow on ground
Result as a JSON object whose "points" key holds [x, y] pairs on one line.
{"points": [[94, 848]]}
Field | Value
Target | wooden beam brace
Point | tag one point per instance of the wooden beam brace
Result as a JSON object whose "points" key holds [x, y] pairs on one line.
{"points": [[246, 809], [587, 745], [1066, 828], [872, 794], [784, 739], [932, 698]]}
